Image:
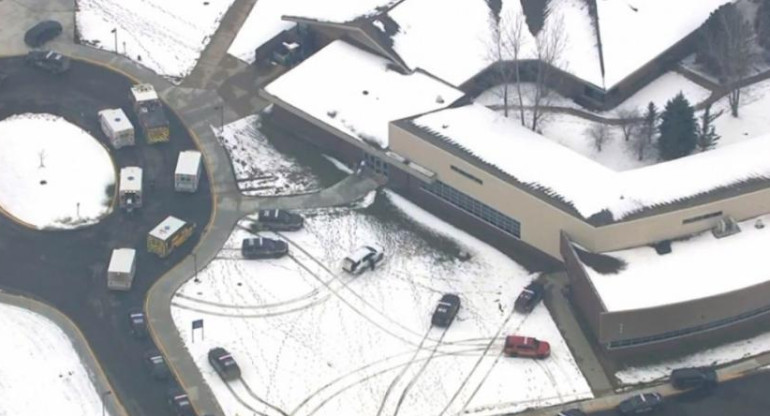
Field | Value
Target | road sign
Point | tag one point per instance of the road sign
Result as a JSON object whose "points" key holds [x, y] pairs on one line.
{"points": [[198, 323]]}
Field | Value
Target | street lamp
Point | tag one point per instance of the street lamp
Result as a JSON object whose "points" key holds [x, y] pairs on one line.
{"points": [[195, 267], [104, 404], [115, 32]]}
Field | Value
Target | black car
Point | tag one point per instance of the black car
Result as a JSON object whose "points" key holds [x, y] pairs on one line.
{"points": [[263, 248], [640, 403], [179, 403], [529, 297], [279, 220], [137, 324], [572, 412], [446, 310], [156, 365], [224, 364], [694, 378], [42, 33], [48, 61]]}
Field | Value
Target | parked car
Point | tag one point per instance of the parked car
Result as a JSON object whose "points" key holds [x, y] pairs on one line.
{"points": [[179, 403], [279, 220], [694, 378], [446, 310], [48, 61], [529, 297], [224, 364], [156, 365], [263, 248], [640, 403], [366, 257], [572, 412], [42, 32], [519, 346], [137, 324]]}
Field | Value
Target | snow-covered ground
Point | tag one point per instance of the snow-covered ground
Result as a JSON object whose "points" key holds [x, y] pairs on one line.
{"points": [[722, 354], [57, 177], [259, 168], [361, 97], [40, 372], [663, 89], [754, 118], [165, 36], [265, 20], [683, 272], [313, 340]]}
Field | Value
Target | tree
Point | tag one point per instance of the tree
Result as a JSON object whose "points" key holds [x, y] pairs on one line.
{"points": [[629, 122], [600, 134], [550, 43], [507, 43], [677, 129], [726, 49], [707, 137], [647, 130], [762, 24]]}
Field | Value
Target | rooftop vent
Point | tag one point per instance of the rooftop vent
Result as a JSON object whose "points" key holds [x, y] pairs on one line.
{"points": [[726, 226]]}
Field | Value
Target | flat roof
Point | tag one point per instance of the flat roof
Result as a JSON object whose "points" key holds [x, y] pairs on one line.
{"points": [[167, 228], [188, 163], [116, 119], [122, 260], [144, 92], [582, 183], [356, 92], [696, 268], [131, 179]]}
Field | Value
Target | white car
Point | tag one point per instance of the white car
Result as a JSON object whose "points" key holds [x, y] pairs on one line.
{"points": [[366, 257]]}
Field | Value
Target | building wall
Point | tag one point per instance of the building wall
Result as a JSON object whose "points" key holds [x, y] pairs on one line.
{"points": [[583, 293]]}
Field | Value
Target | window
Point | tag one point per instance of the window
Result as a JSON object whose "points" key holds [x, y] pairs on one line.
{"points": [[467, 175], [476, 208], [702, 217]]}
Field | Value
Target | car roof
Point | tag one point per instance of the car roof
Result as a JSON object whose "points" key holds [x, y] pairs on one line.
{"points": [[450, 298]]}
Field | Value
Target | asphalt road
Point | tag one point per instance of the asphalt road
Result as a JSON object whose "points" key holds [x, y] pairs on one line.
{"points": [[67, 269], [747, 396]]}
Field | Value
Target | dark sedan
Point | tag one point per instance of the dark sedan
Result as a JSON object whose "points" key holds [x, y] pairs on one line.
{"points": [[42, 33], [446, 310], [529, 297], [48, 61], [263, 248], [278, 220], [224, 364], [640, 403]]}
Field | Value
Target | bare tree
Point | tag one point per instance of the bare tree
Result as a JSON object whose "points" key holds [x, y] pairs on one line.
{"points": [[550, 43], [629, 122], [505, 51], [648, 129], [707, 136], [727, 48], [600, 133]]}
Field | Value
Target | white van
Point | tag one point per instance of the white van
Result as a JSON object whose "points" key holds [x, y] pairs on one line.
{"points": [[366, 257], [120, 273]]}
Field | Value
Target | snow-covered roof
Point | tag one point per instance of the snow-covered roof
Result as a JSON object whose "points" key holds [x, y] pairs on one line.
{"points": [[634, 32], [122, 260], [116, 119], [131, 179], [585, 184], [699, 267], [189, 163], [167, 228], [355, 92], [144, 92]]}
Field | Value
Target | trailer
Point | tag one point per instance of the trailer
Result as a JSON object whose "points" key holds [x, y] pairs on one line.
{"points": [[149, 111], [188, 171], [117, 127], [130, 190], [169, 234], [122, 268]]}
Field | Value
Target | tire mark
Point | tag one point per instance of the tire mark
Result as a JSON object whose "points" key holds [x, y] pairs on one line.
{"points": [[414, 379], [401, 373], [259, 399]]}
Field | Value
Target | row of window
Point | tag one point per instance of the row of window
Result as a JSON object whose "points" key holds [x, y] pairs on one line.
{"points": [[687, 331], [475, 208], [377, 164]]}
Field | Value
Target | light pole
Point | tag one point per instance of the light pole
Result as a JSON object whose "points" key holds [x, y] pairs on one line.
{"points": [[115, 32], [104, 404], [195, 267]]}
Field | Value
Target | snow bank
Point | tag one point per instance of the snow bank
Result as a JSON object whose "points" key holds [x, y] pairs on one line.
{"points": [[702, 258], [362, 96], [52, 173], [37, 357], [587, 185], [165, 36]]}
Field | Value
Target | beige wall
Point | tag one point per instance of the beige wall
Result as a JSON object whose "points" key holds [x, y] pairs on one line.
{"points": [[542, 222]]}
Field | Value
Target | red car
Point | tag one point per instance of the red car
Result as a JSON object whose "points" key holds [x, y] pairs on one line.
{"points": [[518, 346]]}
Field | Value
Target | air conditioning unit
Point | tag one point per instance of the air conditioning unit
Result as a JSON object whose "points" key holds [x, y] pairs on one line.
{"points": [[726, 226]]}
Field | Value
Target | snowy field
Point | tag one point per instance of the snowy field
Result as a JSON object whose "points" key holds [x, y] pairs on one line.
{"points": [[754, 117], [312, 340], [683, 272], [165, 36], [39, 182], [36, 357], [259, 168]]}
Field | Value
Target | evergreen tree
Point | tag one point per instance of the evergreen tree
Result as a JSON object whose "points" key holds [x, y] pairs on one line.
{"points": [[677, 129], [762, 23], [707, 135]]}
